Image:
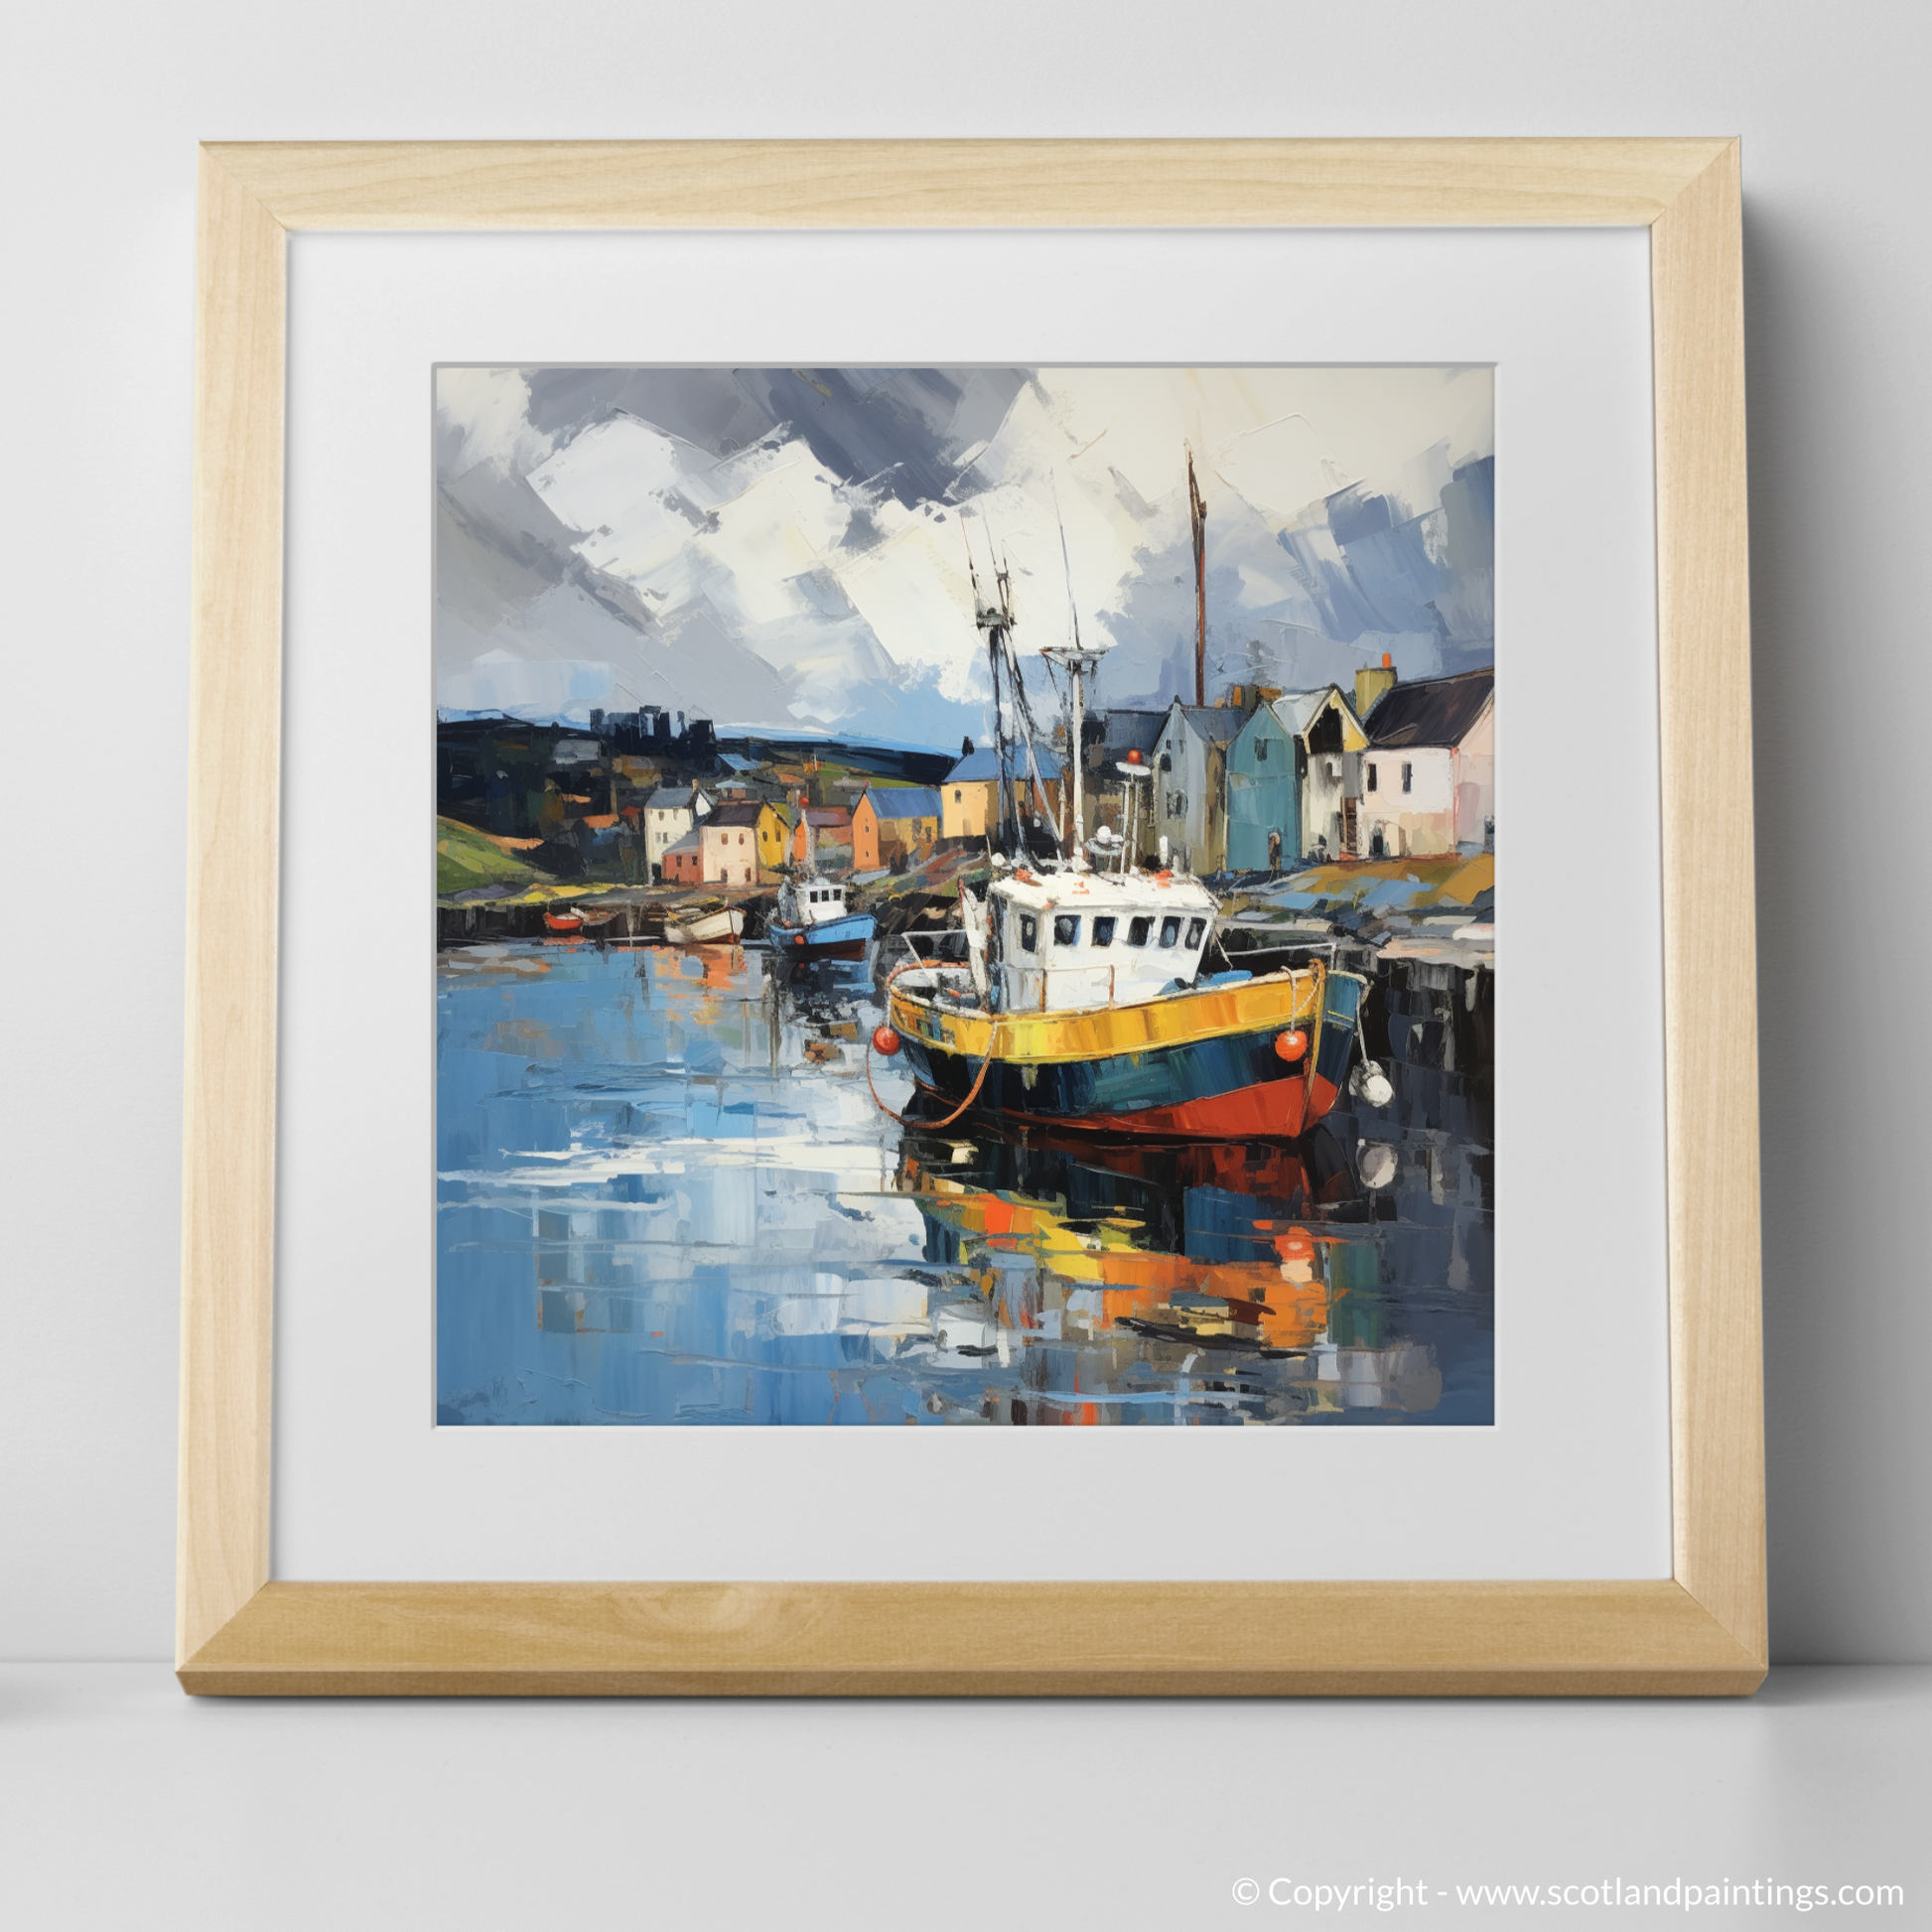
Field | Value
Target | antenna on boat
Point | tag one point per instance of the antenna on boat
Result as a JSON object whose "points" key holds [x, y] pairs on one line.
{"points": [[1079, 663]]}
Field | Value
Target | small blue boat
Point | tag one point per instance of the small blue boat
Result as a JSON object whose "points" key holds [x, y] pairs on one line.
{"points": [[812, 922]]}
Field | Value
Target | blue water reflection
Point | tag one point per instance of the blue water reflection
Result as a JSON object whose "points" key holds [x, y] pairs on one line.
{"points": [[666, 1195]]}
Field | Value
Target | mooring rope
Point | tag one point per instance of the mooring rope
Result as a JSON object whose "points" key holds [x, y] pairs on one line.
{"points": [[979, 1080]]}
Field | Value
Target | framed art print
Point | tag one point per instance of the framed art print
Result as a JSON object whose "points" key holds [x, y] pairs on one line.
{"points": [[924, 871]]}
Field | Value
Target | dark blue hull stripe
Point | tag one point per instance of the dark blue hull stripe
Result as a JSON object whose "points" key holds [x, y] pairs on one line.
{"points": [[1122, 1083]]}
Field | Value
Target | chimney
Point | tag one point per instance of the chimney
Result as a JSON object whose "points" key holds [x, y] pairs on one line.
{"points": [[1372, 685]]}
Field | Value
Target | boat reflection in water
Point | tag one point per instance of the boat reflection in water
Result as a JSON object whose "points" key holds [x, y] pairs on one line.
{"points": [[667, 1197], [1130, 1282]]}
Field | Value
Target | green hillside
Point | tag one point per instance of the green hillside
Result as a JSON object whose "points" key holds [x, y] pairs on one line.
{"points": [[467, 859]]}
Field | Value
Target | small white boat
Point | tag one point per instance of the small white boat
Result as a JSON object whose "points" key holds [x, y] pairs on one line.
{"points": [[707, 930]]}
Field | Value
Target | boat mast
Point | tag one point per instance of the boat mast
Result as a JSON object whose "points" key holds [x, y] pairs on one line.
{"points": [[1012, 718], [992, 622], [996, 619]]}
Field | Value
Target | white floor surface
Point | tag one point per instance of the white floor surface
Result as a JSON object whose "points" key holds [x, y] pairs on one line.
{"points": [[126, 1803]]}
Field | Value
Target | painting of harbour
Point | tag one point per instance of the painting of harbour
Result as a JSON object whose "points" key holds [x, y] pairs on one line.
{"points": [[965, 896]]}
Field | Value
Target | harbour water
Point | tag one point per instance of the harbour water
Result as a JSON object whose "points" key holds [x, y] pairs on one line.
{"points": [[667, 1196]]}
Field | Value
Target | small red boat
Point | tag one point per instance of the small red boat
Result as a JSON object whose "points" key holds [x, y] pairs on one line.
{"points": [[563, 923]]}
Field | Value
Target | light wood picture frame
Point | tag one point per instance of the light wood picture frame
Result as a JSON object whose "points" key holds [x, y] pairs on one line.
{"points": [[1702, 1631]]}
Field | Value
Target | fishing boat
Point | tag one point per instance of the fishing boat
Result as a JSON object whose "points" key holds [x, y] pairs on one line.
{"points": [[1086, 1000], [812, 920], [1084, 1004], [707, 930], [567, 921]]}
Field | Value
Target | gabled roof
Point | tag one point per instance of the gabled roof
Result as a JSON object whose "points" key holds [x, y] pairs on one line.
{"points": [[1297, 710], [902, 801], [733, 815], [982, 767], [671, 798], [735, 762], [1437, 711], [824, 816], [689, 843], [1217, 724]]}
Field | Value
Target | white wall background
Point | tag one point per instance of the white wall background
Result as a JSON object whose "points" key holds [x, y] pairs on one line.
{"points": [[102, 110]]}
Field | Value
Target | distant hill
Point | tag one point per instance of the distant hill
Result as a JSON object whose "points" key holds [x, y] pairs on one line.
{"points": [[909, 764]]}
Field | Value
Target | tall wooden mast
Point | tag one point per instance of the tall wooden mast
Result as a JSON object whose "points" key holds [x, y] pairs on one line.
{"points": [[1199, 513]]}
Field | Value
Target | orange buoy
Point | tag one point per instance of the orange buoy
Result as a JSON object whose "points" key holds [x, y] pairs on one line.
{"points": [[1133, 757], [885, 1041], [798, 939], [1291, 1045]]}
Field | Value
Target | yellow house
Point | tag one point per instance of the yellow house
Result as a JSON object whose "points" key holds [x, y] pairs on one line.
{"points": [[891, 823], [774, 836], [968, 800]]}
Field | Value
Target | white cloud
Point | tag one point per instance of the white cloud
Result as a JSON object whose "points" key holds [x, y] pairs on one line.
{"points": [[491, 410], [856, 602]]}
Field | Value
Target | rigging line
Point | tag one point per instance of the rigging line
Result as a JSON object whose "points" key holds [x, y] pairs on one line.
{"points": [[1040, 800], [1066, 564]]}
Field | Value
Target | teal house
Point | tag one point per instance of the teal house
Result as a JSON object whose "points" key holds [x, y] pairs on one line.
{"points": [[1293, 779]]}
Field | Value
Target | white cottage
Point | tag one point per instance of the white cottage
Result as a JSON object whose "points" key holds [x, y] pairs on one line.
{"points": [[671, 813], [728, 844], [1429, 775]]}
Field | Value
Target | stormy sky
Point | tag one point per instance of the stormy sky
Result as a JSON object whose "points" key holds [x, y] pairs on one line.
{"points": [[789, 549]]}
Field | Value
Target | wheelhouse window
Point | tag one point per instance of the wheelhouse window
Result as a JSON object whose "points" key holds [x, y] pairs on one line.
{"points": [[1408, 777], [1196, 930], [1171, 930], [1372, 778], [1103, 929], [1136, 932], [1261, 751], [1028, 933], [1066, 928]]}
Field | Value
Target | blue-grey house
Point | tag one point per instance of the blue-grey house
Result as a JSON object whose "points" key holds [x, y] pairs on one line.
{"points": [[1189, 804], [1294, 781]]}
